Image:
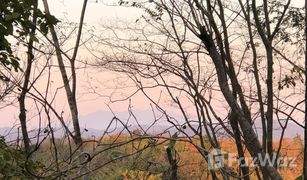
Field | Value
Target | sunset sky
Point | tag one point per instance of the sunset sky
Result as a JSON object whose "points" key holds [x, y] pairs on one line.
{"points": [[153, 89], [108, 83], [97, 13]]}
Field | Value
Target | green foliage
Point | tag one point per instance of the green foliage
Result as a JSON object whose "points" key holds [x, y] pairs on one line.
{"points": [[290, 32], [299, 178], [291, 29], [16, 19], [117, 154], [153, 9], [14, 164], [172, 143], [141, 175], [296, 74]]}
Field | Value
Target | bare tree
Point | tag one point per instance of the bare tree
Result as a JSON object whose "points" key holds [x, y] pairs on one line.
{"points": [[70, 90], [213, 63], [171, 49], [305, 137], [25, 86]]}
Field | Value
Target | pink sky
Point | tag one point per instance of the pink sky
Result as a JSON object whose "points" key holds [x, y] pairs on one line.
{"points": [[96, 13]]}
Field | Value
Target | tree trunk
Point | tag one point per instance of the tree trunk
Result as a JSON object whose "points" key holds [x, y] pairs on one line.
{"points": [[24, 89], [172, 161], [71, 91], [249, 135], [305, 131], [236, 131], [70, 97]]}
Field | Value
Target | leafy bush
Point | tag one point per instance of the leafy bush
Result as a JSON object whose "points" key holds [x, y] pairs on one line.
{"points": [[14, 164]]}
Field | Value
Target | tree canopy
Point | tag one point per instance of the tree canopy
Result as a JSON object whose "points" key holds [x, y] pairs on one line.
{"points": [[16, 22]]}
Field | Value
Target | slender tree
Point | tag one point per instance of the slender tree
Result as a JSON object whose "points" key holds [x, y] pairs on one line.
{"points": [[215, 24], [305, 130], [25, 86], [70, 90]]}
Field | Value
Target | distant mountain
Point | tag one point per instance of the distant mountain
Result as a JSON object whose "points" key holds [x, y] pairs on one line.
{"points": [[291, 131], [100, 120], [95, 124]]}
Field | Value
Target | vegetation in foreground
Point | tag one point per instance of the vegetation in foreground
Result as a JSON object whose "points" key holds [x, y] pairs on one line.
{"points": [[127, 157]]}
